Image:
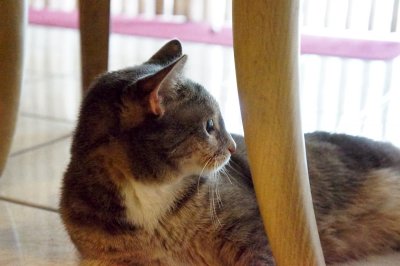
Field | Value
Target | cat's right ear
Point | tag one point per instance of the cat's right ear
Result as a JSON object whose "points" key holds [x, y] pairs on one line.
{"points": [[160, 85], [171, 51]]}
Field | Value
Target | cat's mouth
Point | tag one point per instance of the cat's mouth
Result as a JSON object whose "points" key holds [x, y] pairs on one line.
{"points": [[215, 163]]}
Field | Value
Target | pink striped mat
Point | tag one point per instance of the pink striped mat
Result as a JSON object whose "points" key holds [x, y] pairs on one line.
{"points": [[200, 32]]}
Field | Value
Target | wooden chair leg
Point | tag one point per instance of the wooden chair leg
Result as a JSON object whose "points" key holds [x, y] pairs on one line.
{"points": [[94, 21], [11, 63], [160, 7], [266, 57]]}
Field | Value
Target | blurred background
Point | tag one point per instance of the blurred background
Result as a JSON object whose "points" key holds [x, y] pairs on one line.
{"points": [[349, 56]]}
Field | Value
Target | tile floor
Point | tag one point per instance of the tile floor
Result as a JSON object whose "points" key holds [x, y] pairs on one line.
{"points": [[346, 95]]}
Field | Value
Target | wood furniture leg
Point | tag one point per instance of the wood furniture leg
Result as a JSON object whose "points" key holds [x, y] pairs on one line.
{"points": [[94, 23], [266, 48], [12, 27]]}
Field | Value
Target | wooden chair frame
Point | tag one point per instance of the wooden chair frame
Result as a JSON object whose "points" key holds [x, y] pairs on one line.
{"points": [[266, 47], [11, 64]]}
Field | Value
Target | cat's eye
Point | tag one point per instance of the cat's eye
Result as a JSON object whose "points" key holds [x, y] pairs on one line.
{"points": [[210, 126]]}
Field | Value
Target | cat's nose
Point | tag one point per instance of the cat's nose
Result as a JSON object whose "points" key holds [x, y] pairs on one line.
{"points": [[232, 146]]}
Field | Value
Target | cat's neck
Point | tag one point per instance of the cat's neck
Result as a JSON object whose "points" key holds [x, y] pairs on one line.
{"points": [[147, 204]]}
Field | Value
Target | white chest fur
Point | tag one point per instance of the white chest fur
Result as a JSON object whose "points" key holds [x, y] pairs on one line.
{"points": [[146, 204]]}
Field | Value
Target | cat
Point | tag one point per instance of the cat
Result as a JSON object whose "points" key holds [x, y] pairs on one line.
{"points": [[155, 179]]}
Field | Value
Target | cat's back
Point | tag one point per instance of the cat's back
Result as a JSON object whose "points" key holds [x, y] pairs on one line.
{"points": [[341, 166], [361, 153], [355, 184]]}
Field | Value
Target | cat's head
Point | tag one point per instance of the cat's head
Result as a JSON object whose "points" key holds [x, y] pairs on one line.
{"points": [[168, 125]]}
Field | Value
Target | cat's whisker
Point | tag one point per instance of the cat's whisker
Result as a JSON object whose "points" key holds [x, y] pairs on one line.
{"points": [[219, 199], [229, 164], [238, 173], [201, 173], [233, 162], [213, 194], [223, 170], [211, 203], [213, 212], [205, 165], [232, 167], [217, 179], [227, 175], [229, 178], [217, 194], [233, 180]]}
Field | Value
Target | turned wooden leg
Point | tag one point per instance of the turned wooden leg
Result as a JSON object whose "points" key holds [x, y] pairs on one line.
{"points": [[266, 48], [12, 27], [94, 26], [160, 7]]}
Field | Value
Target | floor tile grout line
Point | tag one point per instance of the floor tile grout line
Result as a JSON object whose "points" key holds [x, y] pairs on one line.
{"points": [[41, 145], [47, 118], [28, 204]]}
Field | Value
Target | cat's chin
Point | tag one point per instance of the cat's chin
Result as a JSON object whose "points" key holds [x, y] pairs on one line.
{"points": [[224, 162], [217, 164]]}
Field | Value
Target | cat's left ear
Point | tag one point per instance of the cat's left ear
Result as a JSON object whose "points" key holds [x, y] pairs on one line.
{"points": [[161, 84]]}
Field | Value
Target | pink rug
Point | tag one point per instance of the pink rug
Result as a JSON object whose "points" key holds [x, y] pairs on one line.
{"points": [[200, 32]]}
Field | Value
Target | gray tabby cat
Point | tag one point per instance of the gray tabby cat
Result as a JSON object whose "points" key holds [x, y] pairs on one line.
{"points": [[155, 179]]}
